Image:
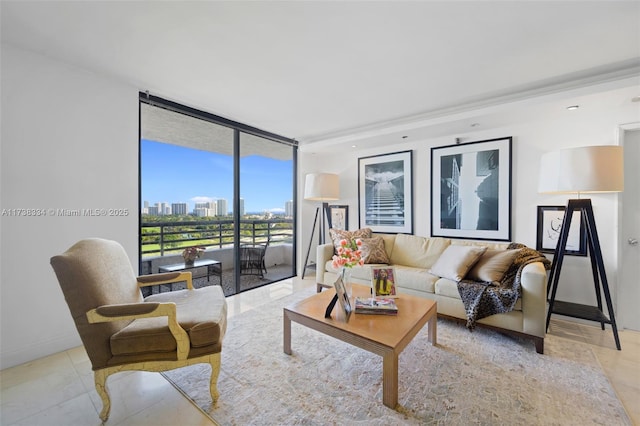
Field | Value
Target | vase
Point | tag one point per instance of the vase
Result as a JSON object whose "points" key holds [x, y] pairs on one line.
{"points": [[345, 274], [189, 262]]}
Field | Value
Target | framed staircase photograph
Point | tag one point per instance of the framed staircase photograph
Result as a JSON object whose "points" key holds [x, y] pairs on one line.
{"points": [[385, 192]]}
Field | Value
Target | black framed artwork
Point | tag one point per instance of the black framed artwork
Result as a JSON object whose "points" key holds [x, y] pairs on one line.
{"points": [[338, 217], [471, 190], [385, 192], [550, 220]]}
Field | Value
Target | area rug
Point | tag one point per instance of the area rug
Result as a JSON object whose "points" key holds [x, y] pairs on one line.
{"points": [[480, 377]]}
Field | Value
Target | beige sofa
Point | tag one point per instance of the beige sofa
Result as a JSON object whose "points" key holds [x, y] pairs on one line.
{"points": [[413, 257]]}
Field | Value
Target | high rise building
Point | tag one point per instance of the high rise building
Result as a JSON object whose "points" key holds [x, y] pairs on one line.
{"points": [[288, 208], [204, 212], [163, 208], [179, 208], [221, 207], [205, 209]]}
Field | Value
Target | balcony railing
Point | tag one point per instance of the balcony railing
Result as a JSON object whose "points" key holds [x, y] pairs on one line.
{"points": [[163, 238]]}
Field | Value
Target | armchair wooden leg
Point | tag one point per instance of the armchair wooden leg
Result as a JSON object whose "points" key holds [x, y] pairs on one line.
{"points": [[100, 378], [215, 372]]}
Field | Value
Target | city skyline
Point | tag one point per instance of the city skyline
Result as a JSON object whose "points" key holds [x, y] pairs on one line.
{"points": [[176, 174], [208, 208]]}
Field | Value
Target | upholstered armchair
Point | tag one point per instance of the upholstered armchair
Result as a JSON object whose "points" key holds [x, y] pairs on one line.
{"points": [[121, 331]]}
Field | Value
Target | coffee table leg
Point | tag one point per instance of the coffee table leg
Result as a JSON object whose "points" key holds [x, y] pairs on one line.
{"points": [[286, 333], [390, 379], [433, 329]]}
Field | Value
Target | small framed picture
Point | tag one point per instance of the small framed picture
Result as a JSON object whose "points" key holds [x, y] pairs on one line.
{"points": [[343, 298], [550, 220], [383, 282], [338, 217]]}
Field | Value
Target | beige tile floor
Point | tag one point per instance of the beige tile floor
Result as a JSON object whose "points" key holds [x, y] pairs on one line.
{"points": [[58, 389]]}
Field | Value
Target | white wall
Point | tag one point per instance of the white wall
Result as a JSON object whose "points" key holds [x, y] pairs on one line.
{"points": [[593, 125], [69, 140]]}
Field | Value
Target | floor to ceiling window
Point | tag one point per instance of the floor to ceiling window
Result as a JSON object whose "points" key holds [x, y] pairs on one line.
{"points": [[220, 189], [266, 208]]}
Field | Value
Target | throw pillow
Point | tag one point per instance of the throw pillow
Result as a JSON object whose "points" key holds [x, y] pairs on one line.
{"points": [[339, 234], [455, 261], [492, 265], [373, 250]]}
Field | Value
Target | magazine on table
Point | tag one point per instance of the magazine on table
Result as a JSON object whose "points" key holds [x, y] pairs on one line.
{"points": [[376, 305]]}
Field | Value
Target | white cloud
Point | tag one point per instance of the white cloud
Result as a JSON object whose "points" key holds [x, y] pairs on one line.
{"points": [[202, 199]]}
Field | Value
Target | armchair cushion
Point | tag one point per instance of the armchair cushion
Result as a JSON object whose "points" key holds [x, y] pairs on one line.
{"points": [[202, 313]]}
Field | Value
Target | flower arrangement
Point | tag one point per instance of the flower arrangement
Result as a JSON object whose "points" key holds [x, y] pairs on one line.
{"points": [[348, 254], [192, 253]]}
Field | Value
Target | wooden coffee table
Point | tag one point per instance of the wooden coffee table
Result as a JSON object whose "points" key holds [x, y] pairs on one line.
{"points": [[384, 335]]}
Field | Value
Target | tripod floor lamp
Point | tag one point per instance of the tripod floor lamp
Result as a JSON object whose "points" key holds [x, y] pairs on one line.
{"points": [[582, 170], [320, 187]]}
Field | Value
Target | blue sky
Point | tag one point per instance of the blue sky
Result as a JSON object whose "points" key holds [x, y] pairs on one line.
{"points": [[175, 174]]}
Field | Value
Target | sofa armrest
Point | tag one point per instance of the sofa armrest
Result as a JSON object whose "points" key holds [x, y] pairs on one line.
{"points": [[534, 299], [324, 253]]}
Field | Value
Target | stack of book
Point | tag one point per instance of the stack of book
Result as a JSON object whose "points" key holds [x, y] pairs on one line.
{"points": [[376, 306]]}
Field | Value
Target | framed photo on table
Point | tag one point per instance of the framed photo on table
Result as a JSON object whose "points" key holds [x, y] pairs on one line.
{"points": [[550, 220], [385, 192], [343, 298], [338, 217], [383, 282], [471, 190]]}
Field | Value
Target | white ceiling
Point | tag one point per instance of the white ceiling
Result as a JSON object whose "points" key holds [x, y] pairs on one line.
{"points": [[331, 72]]}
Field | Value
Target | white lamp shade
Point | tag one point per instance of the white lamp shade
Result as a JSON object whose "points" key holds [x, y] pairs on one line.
{"points": [[322, 187], [584, 169]]}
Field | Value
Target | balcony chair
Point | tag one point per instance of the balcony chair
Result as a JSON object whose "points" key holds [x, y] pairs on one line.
{"points": [[252, 259], [121, 331]]}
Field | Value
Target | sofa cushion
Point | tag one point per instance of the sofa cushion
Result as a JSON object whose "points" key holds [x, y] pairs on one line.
{"points": [[418, 279], [447, 287], [418, 252], [492, 265], [338, 235], [373, 250], [456, 261], [389, 242]]}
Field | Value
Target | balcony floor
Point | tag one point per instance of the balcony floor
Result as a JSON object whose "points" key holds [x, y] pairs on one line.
{"points": [[247, 282]]}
